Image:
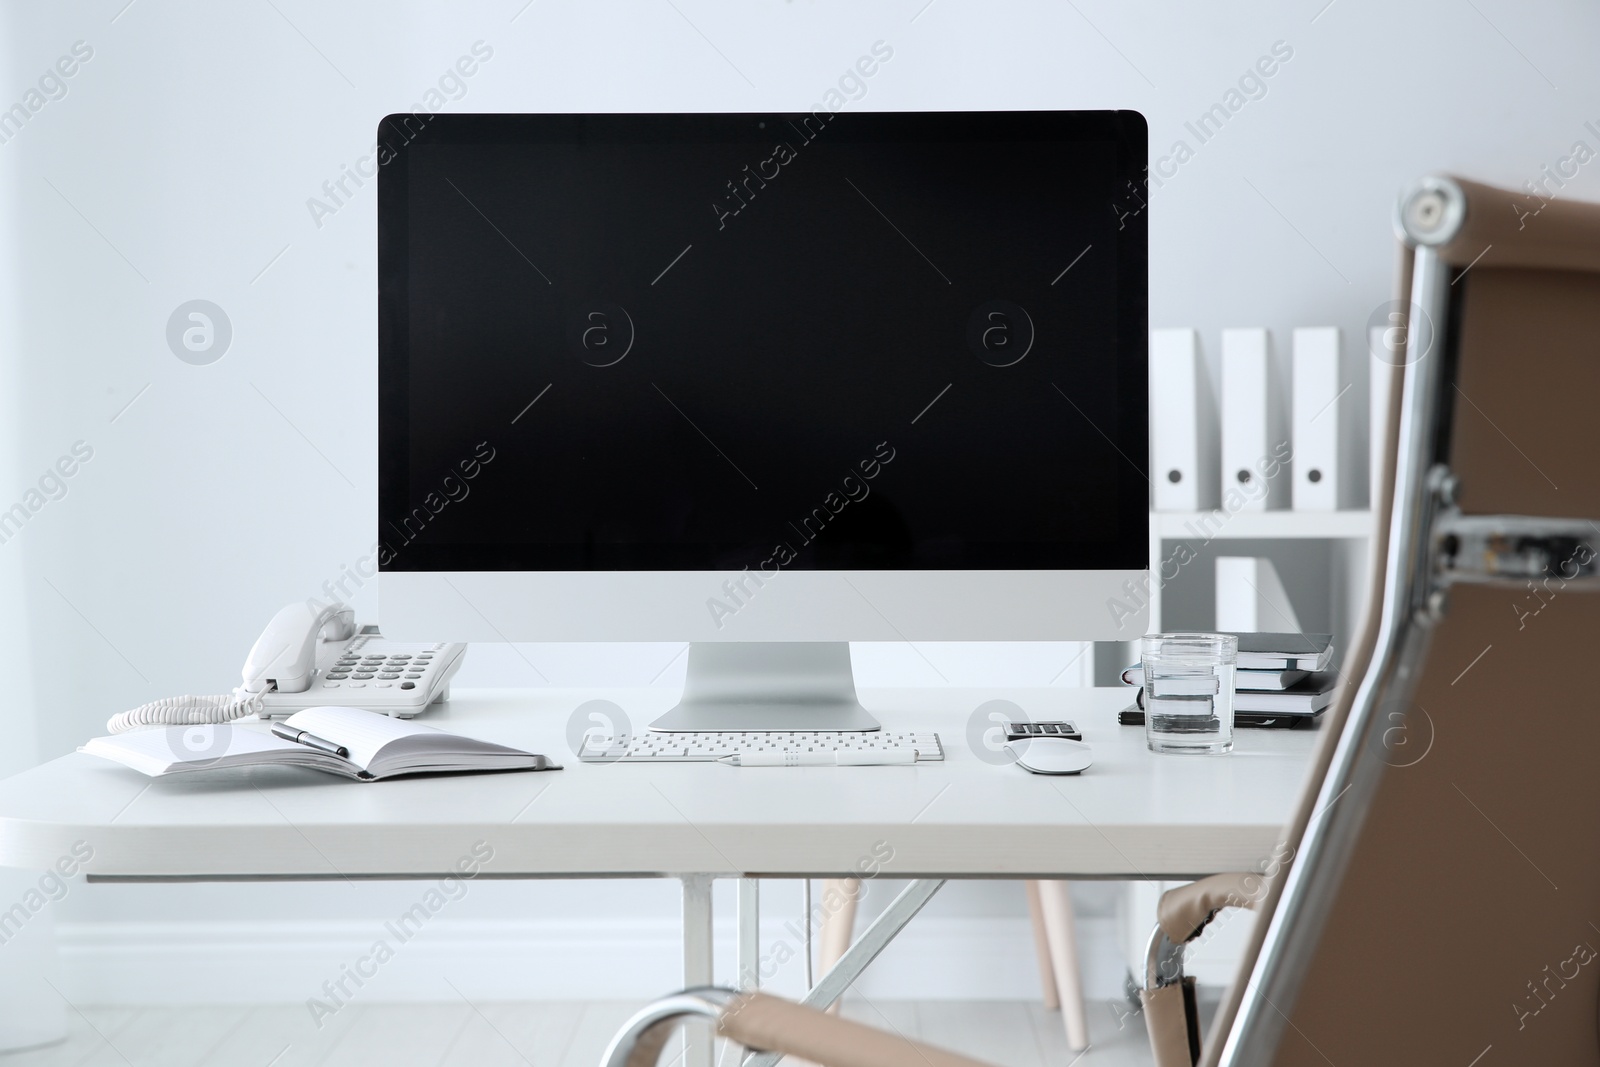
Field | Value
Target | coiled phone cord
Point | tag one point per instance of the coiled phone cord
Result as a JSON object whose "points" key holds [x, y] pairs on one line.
{"points": [[187, 711]]}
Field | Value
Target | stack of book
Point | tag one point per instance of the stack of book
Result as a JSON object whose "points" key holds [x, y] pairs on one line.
{"points": [[1281, 680]]}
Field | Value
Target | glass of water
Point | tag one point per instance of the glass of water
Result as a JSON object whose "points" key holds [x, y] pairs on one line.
{"points": [[1188, 691]]}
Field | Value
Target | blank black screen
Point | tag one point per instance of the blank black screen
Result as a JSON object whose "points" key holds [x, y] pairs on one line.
{"points": [[863, 341]]}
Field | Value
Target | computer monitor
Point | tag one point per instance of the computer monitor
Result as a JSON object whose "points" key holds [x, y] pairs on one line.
{"points": [[763, 383]]}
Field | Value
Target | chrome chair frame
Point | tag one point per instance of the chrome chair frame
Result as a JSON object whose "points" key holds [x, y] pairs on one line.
{"points": [[1430, 547]]}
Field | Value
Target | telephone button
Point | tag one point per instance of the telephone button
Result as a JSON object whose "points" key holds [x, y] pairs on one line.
{"points": [[389, 677], [330, 685], [358, 685], [408, 685], [413, 677], [383, 685]]}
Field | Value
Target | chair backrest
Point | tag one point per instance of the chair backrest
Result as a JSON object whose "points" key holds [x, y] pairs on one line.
{"points": [[1443, 903]]}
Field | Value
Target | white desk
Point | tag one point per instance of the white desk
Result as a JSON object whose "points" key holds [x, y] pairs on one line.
{"points": [[1133, 815]]}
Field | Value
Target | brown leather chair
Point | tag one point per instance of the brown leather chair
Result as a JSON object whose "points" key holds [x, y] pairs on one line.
{"points": [[1441, 895], [1446, 886]]}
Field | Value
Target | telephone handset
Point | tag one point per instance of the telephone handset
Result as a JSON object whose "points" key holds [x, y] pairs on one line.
{"points": [[312, 655], [283, 657]]}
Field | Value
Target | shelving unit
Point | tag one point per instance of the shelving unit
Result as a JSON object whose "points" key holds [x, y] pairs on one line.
{"points": [[1329, 525], [1348, 535]]}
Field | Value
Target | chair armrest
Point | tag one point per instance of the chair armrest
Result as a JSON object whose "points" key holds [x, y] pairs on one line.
{"points": [[1172, 1021], [1171, 1014], [641, 1039], [770, 1025], [1184, 912], [758, 1021]]}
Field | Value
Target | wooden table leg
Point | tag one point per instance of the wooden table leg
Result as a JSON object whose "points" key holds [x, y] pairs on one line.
{"points": [[1061, 934], [839, 899], [1041, 948]]}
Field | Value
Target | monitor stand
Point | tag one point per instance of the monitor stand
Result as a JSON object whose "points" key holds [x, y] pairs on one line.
{"points": [[768, 686]]}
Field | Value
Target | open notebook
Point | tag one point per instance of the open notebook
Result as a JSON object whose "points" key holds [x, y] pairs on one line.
{"points": [[378, 747]]}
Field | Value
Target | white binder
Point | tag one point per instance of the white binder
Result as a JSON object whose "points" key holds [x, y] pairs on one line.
{"points": [[1255, 426], [1324, 434], [1383, 358], [1183, 424]]}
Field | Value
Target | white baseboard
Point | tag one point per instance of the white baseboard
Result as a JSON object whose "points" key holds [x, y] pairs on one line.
{"points": [[258, 961]]}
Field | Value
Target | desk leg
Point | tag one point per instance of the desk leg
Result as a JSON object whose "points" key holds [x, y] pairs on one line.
{"points": [[697, 962], [749, 933], [839, 899], [1041, 948], [34, 1012], [1060, 931], [901, 910]]}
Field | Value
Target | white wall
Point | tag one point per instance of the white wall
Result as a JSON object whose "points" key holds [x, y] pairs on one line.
{"points": [[179, 165]]}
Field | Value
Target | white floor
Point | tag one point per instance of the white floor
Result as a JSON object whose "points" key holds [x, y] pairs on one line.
{"points": [[547, 1034]]}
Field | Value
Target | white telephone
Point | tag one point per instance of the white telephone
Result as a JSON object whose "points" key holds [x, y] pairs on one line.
{"points": [[312, 655]]}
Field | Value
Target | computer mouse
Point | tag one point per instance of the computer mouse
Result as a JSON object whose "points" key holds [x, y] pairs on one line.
{"points": [[1051, 755]]}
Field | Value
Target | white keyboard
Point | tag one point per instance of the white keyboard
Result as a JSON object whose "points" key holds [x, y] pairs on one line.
{"points": [[708, 746]]}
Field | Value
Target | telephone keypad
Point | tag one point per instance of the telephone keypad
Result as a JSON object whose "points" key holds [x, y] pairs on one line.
{"points": [[381, 669], [376, 667], [370, 662]]}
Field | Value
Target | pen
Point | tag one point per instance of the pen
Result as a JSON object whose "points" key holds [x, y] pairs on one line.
{"points": [[899, 758], [289, 733]]}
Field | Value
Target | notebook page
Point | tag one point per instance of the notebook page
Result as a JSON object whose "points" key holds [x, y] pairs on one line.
{"points": [[363, 732], [155, 751]]}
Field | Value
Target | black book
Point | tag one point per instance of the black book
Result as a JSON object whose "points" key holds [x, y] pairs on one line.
{"points": [[1270, 652]]}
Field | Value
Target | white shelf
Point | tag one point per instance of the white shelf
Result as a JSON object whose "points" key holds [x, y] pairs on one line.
{"points": [[1210, 525]]}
